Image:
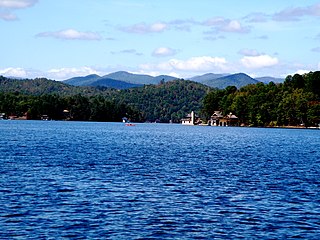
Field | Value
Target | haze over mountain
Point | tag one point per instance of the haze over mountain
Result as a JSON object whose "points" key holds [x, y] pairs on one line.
{"points": [[138, 78], [270, 79], [83, 81]]}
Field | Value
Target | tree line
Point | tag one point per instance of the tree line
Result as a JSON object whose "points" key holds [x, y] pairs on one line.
{"points": [[164, 102], [294, 102], [75, 107]]}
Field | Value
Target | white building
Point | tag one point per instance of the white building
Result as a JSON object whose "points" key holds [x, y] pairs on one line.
{"points": [[191, 119]]}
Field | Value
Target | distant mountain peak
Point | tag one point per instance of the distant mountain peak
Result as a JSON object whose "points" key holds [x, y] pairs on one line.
{"points": [[207, 76], [237, 79], [92, 75]]}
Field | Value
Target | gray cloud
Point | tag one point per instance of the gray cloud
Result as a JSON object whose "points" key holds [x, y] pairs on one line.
{"points": [[7, 16], [183, 24], [128, 51], [17, 4], [249, 52], [257, 17], [263, 37], [213, 38], [316, 49], [219, 24], [71, 34], [295, 14], [143, 28]]}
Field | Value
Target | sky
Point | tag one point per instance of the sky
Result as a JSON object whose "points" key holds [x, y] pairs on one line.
{"points": [[60, 39]]}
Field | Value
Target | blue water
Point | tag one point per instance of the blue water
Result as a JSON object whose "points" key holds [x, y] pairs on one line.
{"points": [[84, 180]]}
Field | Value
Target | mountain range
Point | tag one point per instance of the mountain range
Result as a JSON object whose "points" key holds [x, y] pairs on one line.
{"points": [[118, 80], [125, 80]]}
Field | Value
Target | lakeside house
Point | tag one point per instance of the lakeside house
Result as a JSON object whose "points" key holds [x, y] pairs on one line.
{"points": [[191, 119], [217, 119]]}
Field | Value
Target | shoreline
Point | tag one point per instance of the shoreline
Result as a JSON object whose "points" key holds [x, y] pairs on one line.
{"points": [[202, 125]]}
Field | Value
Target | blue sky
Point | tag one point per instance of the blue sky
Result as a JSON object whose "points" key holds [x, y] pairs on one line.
{"points": [[59, 39]]}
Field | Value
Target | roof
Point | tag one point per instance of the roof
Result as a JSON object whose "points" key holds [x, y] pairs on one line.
{"points": [[232, 116], [217, 114]]}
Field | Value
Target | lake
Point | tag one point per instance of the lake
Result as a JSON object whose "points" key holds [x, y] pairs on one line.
{"points": [[86, 180]]}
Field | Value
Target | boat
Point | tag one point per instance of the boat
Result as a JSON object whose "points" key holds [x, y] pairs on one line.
{"points": [[127, 122]]}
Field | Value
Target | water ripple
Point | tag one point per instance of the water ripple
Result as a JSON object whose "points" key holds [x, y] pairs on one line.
{"points": [[64, 180]]}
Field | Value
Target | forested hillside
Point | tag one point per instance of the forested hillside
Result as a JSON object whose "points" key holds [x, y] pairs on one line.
{"points": [[38, 97], [296, 102], [41, 86], [165, 102]]}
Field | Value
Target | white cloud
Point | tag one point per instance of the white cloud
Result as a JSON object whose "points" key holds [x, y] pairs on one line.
{"points": [[203, 63], [233, 26], [194, 64], [158, 27], [164, 52], [260, 61], [71, 34], [65, 73], [301, 71], [14, 72], [16, 4], [142, 28]]}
